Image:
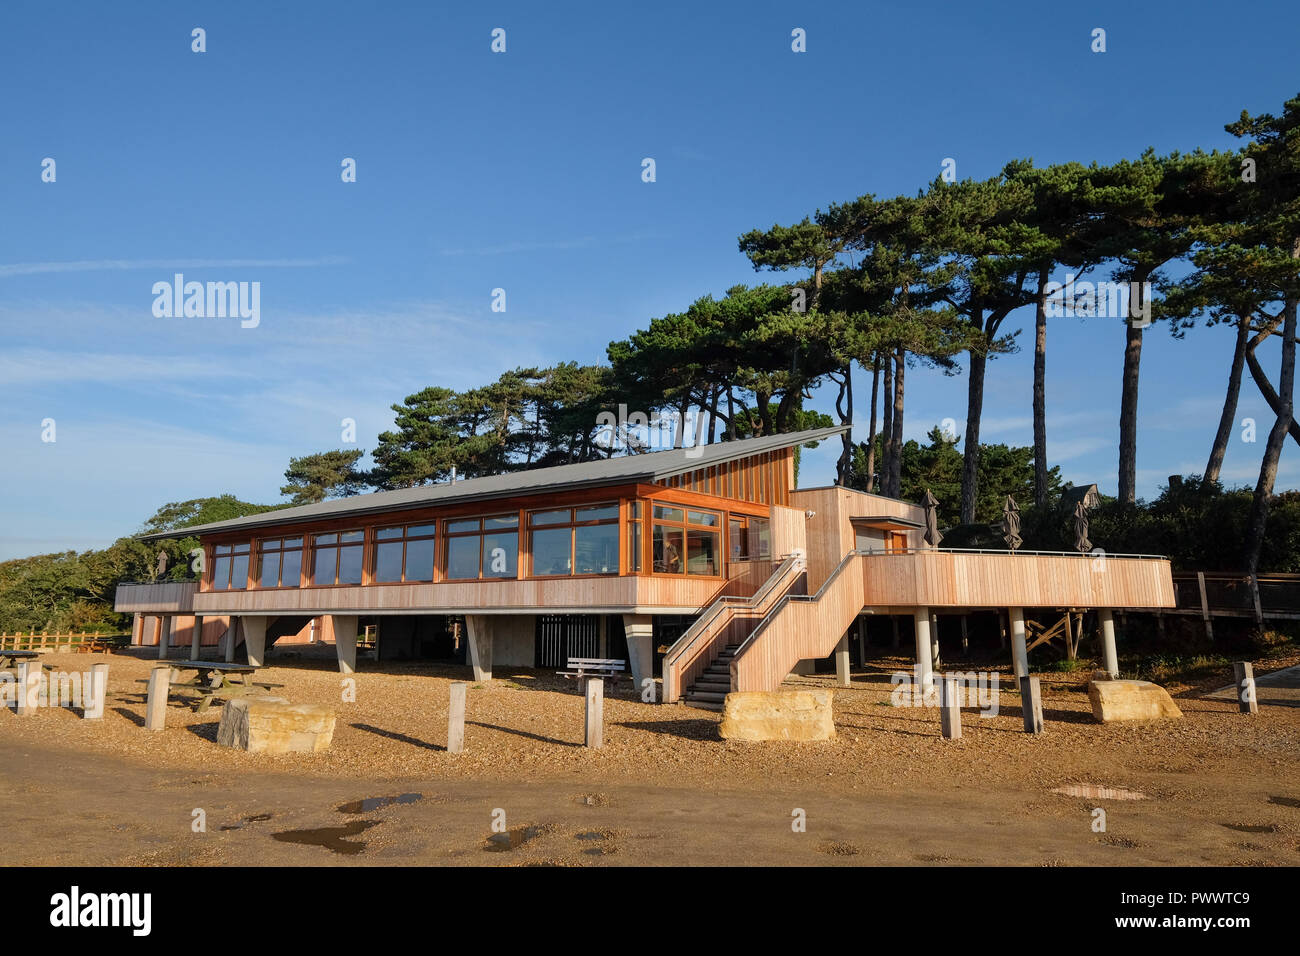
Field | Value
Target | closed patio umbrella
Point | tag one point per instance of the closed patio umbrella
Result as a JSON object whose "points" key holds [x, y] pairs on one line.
{"points": [[1011, 524], [931, 505], [1081, 542]]}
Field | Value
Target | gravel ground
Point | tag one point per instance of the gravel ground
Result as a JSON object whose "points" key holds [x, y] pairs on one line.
{"points": [[527, 724]]}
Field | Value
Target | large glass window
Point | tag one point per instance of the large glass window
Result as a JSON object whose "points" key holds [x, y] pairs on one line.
{"points": [[686, 541], [230, 567], [483, 547], [279, 562], [338, 557], [405, 553], [575, 540]]}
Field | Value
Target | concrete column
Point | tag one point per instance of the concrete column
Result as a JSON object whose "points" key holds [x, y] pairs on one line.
{"points": [[842, 661], [893, 623], [164, 635], [344, 627], [228, 640], [640, 629], [254, 638], [1108, 642], [196, 639], [155, 713], [93, 697], [924, 663], [965, 636], [1019, 656], [936, 659], [479, 630]]}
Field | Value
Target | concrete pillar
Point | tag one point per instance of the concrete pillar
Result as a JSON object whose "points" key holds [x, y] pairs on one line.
{"points": [[924, 663], [936, 659], [155, 713], [196, 639], [640, 630], [893, 623], [862, 639], [164, 635], [254, 638], [29, 686], [228, 640], [1108, 642], [93, 696], [950, 715], [1019, 656], [842, 661], [1031, 704], [480, 645], [456, 718], [345, 641], [965, 636]]}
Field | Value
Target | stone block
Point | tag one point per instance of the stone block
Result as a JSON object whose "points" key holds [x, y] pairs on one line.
{"points": [[778, 715], [1117, 700], [272, 725]]}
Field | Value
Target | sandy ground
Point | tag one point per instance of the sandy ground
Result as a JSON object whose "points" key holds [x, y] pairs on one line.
{"points": [[1218, 787]]}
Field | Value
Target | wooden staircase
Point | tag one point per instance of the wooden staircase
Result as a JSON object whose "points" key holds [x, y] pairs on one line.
{"points": [[710, 690]]}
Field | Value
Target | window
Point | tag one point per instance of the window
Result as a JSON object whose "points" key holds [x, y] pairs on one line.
{"points": [[279, 562], [575, 540], [230, 567], [686, 541], [738, 536], [405, 553], [338, 557], [483, 547]]}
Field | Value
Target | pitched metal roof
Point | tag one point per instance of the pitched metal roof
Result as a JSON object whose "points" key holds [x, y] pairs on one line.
{"points": [[624, 469]]}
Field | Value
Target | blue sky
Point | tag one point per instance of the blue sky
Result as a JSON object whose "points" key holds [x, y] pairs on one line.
{"points": [[522, 171]]}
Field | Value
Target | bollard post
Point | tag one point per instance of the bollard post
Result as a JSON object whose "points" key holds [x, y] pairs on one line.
{"points": [[29, 687], [950, 710], [1243, 675], [456, 718], [595, 726], [1031, 704], [93, 709], [155, 714]]}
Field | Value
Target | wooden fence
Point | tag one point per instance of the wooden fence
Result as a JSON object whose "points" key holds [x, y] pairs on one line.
{"points": [[58, 642]]}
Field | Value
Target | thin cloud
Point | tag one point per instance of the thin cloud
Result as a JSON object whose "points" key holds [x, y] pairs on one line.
{"points": [[121, 265]]}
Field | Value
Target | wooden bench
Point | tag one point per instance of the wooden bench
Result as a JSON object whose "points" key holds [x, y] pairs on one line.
{"points": [[584, 668]]}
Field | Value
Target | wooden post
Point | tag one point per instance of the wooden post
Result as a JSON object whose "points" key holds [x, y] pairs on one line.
{"points": [[93, 708], [1002, 631], [29, 687], [1254, 594], [965, 637], [1031, 704], [456, 718], [1243, 674], [1205, 606], [1160, 625], [595, 726], [950, 710], [155, 713]]}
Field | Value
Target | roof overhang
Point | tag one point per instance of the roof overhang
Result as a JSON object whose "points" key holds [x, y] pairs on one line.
{"points": [[885, 523]]}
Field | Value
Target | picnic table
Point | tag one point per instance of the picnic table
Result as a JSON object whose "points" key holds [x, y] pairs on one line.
{"points": [[213, 679], [9, 658], [585, 668]]}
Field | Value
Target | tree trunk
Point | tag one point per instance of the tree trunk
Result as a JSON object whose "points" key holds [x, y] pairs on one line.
{"points": [[1040, 393], [844, 407], [896, 462], [1228, 419], [887, 426], [871, 437], [1273, 450], [1128, 414], [731, 415], [1266, 387], [971, 453], [713, 414]]}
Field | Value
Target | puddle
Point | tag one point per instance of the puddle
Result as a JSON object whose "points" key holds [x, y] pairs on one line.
{"points": [[377, 803], [512, 839], [255, 818], [1285, 802], [333, 839], [1096, 792], [1250, 827]]}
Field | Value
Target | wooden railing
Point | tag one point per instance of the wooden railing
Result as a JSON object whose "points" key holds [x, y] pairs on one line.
{"points": [[56, 642], [726, 621], [799, 627]]}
